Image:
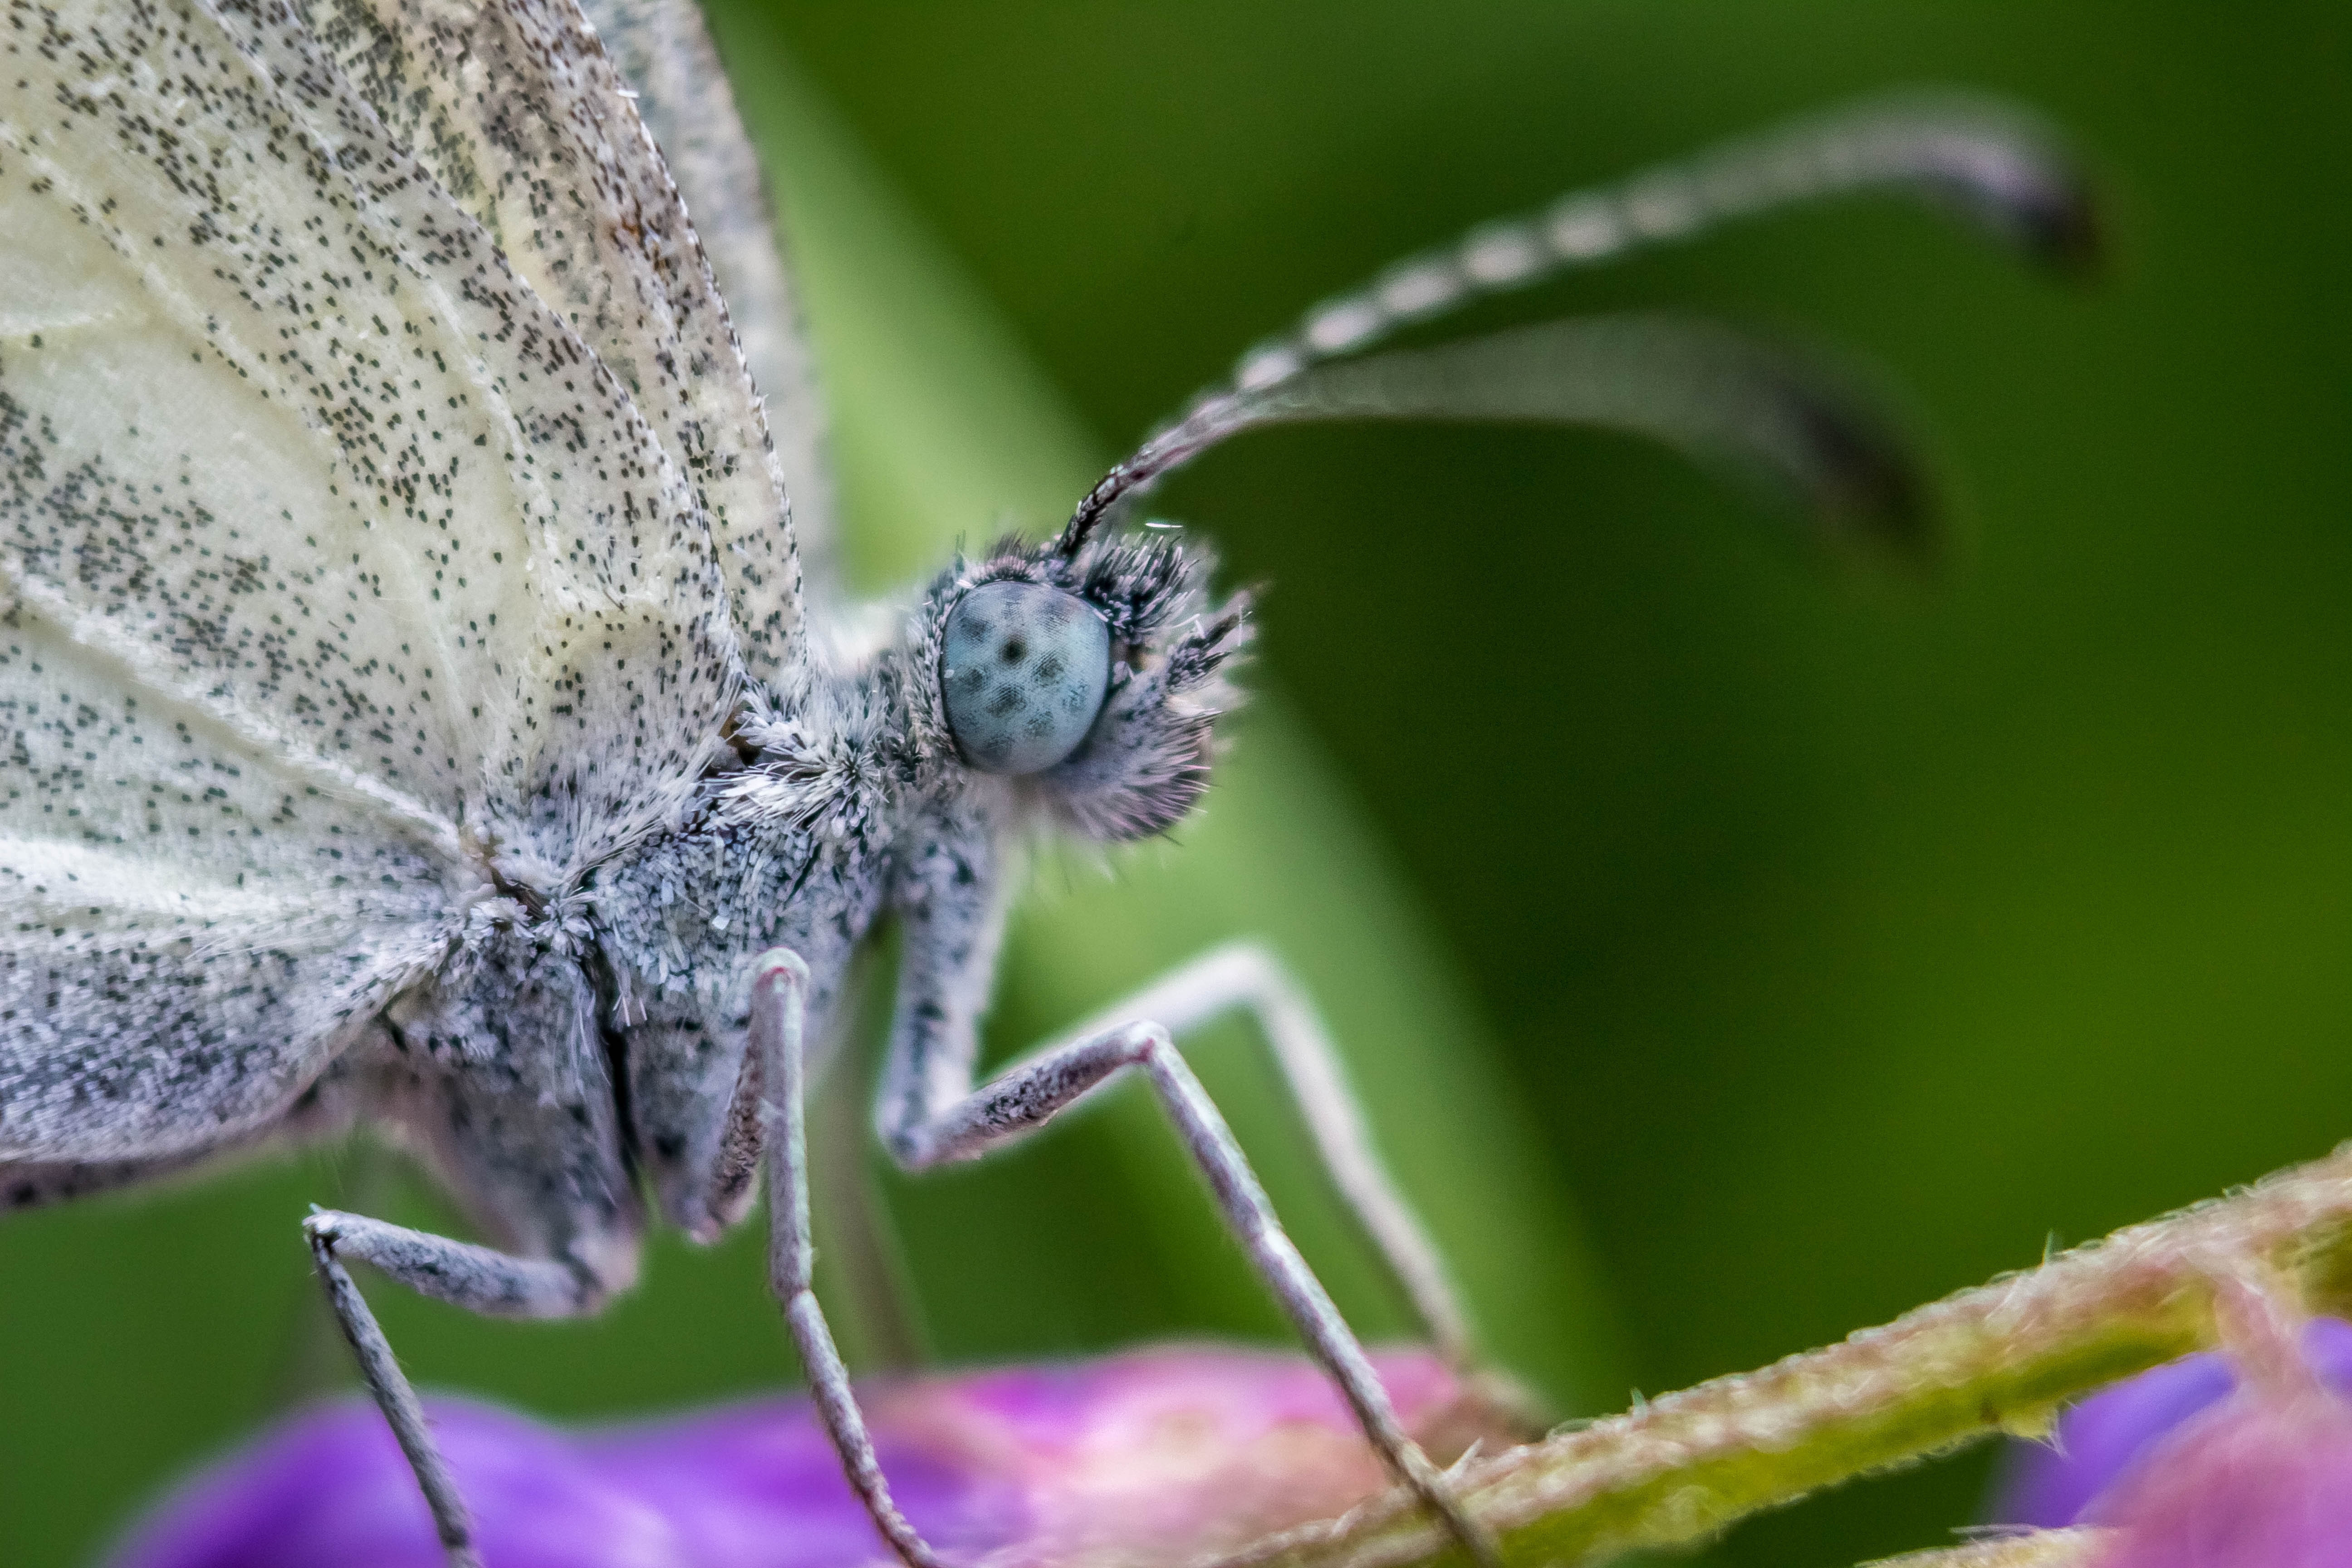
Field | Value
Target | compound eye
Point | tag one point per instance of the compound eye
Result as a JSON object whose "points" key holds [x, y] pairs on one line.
{"points": [[1024, 667]]}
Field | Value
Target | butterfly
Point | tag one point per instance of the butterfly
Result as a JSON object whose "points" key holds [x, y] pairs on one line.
{"points": [[422, 715]]}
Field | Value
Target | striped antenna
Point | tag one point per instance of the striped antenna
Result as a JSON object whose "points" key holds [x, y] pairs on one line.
{"points": [[1984, 161], [1762, 414], [1988, 163]]}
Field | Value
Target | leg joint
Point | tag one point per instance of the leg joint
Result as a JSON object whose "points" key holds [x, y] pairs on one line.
{"points": [[780, 966]]}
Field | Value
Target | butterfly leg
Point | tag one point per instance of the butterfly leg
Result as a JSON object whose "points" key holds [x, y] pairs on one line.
{"points": [[779, 1016], [1024, 1097], [478, 1278], [931, 1116], [527, 1136], [1247, 976]]}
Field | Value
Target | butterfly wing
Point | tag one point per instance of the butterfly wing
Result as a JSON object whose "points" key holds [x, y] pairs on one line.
{"points": [[192, 929], [665, 55], [291, 438], [343, 576], [517, 110]]}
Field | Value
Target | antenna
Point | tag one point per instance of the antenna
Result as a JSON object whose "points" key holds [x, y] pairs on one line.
{"points": [[1986, 163]]}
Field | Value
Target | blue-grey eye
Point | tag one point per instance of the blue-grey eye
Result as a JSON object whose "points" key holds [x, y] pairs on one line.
{"points": [[1024, 667]]}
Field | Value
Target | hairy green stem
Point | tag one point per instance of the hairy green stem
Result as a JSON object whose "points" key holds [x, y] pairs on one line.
{"points": [[2038, 1549], [2002, 1357]]}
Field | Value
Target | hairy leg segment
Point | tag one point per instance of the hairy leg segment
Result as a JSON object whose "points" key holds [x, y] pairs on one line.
{"points": [[957, 1124], [1023, 1097], [475, 1277]]}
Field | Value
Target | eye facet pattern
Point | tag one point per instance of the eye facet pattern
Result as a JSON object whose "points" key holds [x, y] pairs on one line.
{"points": [[1024, 667]]}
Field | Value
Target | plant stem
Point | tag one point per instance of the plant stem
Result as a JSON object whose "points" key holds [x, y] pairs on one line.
{"points": [[2001, 1357], [2041, 1549]]}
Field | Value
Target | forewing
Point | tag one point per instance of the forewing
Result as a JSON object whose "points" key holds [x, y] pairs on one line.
{"points": [[189, 930], [283, 435], [519, 113]]}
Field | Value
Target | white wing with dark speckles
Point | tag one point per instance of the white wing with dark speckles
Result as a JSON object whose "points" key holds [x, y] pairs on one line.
{"points": [[339, 565], [666, 53], [519, 113], [191, 929], [284, 433]]}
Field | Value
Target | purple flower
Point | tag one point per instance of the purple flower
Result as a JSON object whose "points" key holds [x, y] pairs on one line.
{"points": [[2198, 1468], [1159, 1456]]}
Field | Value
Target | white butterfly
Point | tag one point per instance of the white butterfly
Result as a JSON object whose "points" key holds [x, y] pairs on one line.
{"points": [[415, 717]]}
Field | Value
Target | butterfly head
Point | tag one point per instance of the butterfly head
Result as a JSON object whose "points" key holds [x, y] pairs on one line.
{"points": [[1090, 668]]}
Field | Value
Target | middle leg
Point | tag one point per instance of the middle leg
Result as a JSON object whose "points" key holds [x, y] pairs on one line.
{"points": [[780, 984]]}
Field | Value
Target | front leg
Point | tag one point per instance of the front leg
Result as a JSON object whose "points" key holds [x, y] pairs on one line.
{"points": [[1247, 976], [951, 908], [1024, 1097]]}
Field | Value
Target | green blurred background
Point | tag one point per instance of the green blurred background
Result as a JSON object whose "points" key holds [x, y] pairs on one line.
{"points": [[1733, 950]]}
